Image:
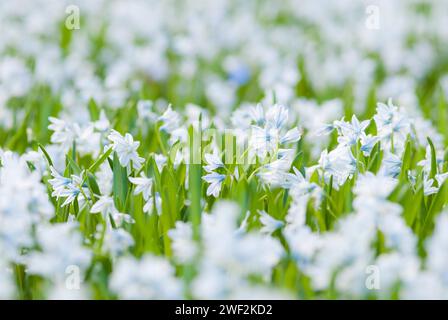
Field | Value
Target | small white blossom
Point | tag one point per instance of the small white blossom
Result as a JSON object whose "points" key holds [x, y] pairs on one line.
{"points": [[143, 185], [126, 149], [269, 223]]}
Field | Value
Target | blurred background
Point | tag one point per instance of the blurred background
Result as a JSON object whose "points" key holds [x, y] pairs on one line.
{"points": [[219, 54]]}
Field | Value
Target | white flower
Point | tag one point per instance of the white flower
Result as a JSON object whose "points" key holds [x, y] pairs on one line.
{"points": [[149, 205], [339, 163], [104, 178], [117, 241], [441, 178], [171, 120], [437, 248], [351, 132], [264, 140], [291, 136], [257, 115], [393, 126], [367, 143], [426, 163], [266, 137], [304, 244], [102, 124], [324, 129], [8, 287], [105, 205], [428, 187], [61, 247], [385, 113], [184, 247], [298, 182], [215, 180], [274, 173], [376, 186], [143, 185], [24, 203], [119, 218], [391, 165], [145, 112], [58, 181], [213, 162], [231, 250], [150, 278], [126, 149], [269, 223], [64, 133], [160, 160], [277, 116], [67, 188]]}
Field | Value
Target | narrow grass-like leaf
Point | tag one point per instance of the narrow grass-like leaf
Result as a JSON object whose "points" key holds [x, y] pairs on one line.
{"points": [[47, 156], [100, 160]]}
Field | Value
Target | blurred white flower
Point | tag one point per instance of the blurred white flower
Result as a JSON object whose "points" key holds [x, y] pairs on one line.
{"points": [[428, 187], [184, 247], [171, 120], [60, 247], [269, 224], [150, 278]]}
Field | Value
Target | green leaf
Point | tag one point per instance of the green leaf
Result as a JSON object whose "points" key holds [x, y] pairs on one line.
{"points": [[100, 160], [406, 161], [120, 183], [94, 110], [93, 185], [47, 156], [433, 160], [73, 165], [195, 187], [436, 206]]}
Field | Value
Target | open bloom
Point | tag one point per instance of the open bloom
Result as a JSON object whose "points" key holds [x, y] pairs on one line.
{"points": [[269, 223], [215, 180], [213, 162], [149, 205], [171, 120], [350, 133], [338, 163], [151, 277], [105, 205], [393, 126], [126, 149], [143, 185], [68, 188], [367, 143], [63, 132], [428, 187], [269, 138]]}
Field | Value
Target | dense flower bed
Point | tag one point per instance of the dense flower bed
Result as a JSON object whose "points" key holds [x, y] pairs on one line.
{"points": [[223, 149]]}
